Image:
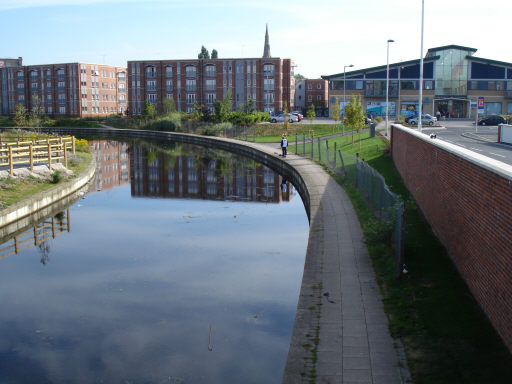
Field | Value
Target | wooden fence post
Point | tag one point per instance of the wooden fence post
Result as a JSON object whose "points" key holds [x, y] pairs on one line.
{"points": [[11, 170], [49, 156], [31, 150], [73, 144], [65, 155]]}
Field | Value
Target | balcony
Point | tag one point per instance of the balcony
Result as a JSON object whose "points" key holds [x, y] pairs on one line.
{"points": [[122, 101], [151, 75], [122, 89], [190, 88]]}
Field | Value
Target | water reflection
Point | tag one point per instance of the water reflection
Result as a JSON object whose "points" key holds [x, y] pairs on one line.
{"points": [[154, 290]]}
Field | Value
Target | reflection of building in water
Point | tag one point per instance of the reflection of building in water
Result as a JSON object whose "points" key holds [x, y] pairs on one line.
{"points": [[225, 177], [36, 235], [112, 163]]}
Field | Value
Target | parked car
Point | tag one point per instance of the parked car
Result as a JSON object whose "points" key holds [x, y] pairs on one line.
{"points": [[299, 115], [426, 119], [280, 118], [492, 120]]}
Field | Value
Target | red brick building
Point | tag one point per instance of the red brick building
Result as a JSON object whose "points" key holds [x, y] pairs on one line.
{"points": [[70, 89], [312, 91], [266, 82]]}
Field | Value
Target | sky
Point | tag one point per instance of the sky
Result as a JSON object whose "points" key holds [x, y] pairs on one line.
{"points": [[320, 36]]}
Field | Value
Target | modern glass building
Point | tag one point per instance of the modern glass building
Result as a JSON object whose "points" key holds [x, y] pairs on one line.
{"points": [[453, 80]]}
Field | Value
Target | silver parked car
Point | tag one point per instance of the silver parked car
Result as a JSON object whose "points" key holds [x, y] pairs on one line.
{"points": [[426, 119], [280, 118]]}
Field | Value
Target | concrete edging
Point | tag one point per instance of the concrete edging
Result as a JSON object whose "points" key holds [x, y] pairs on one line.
{"points": [[44, 199]]}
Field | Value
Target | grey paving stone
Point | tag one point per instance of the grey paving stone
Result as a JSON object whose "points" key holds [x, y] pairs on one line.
{"points": [[357, 375]]}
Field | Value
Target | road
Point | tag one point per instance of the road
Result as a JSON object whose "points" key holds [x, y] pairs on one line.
{"points": [[483, 140]]}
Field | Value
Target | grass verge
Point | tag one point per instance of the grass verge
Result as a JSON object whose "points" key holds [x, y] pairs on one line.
{"points": [[13, 191], [447, 337]]}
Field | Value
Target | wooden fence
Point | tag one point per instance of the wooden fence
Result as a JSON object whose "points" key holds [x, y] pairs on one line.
{"points": [[36, 235], [30, 152]]}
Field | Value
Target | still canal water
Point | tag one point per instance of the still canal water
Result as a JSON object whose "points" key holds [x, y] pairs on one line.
{"points": [[182, 266]]}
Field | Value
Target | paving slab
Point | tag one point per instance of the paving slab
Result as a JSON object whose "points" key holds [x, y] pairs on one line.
{"points": [[349, 330]]}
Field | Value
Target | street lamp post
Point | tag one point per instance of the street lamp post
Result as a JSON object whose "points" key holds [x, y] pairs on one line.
{"points": [[387, 87], [421, 67], [344, 103]]}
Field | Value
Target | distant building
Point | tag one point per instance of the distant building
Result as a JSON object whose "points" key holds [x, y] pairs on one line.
{"points": [[266, 82], [112, 163], [453, 80], [5, 63], [70, 89], [312, 91]]}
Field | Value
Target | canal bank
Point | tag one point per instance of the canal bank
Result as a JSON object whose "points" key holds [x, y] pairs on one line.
{"points": [[37, 205], [341, 331]]}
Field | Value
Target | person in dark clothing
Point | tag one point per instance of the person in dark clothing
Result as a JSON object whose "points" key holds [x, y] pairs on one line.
{"points": [[284, 145]]}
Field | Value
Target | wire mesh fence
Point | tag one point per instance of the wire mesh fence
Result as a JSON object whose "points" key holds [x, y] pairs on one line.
{"points": [[387, 207]]}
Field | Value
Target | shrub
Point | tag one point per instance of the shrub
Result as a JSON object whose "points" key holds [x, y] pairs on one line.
{"points": [[81, 145], [56, 177]]}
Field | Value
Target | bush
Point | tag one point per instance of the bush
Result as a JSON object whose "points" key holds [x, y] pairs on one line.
{"points": [[81, 145], [169, 123], [56, 177], [378, 119], [377, 232]]}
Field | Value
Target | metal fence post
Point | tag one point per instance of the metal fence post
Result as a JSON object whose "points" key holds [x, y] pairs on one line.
{"points": [[312, 147], [296, 144], [335, 155], [303, 144], [342, 163], [357, 170], [319, 151]]}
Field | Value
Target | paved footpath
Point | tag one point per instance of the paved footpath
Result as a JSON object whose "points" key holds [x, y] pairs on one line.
{"points": [[341, 331]]}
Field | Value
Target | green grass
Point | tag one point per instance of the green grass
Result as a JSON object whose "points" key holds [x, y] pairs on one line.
{"points": [[271, 133], [447, 337], [369, 147], [13, 191]]}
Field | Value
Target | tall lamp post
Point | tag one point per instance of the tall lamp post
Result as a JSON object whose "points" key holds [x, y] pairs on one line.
{"points": [[344, 86], [421, 67], [387, 87]]}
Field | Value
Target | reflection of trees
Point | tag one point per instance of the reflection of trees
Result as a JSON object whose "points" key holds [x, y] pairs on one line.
{"points": [[44, 249]]}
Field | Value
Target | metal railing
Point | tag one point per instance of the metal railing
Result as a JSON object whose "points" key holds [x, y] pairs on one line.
{"points": [[387, 207]]}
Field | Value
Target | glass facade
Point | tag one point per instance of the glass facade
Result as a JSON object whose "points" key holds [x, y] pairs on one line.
{"points": [[451, 72]]}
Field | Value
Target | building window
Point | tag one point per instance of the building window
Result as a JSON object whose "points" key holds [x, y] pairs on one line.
{"points": [[34, 87], [62, 109], [210, 98], [62, 98], [190, 85], [269, 98], [33, 75], [428, 84], [50, 109], [151, 85], [310, 98], [168, 71], [268, 69], [60, 74], [61, 85], [310, 86], [191, 98], [190, 71], [150, 71], [211, 84], [318, 97], [319, 86], [21, 86], [151, 97], [168, 85], [210, 71], [359, 84], [21, 99], [268, 84]]}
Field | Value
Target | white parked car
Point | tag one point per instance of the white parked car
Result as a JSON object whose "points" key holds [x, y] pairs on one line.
{"points": [[426, 119], [280, 118]]}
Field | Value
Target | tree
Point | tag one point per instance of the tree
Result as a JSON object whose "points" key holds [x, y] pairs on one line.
{"points": [[251, 105], [298, 76], [204, 54], [310, 113], [222, 108], [197, 112], [335, 111], [35, 112], [169, 106], [215, 54], [20, 115], [354, 116], [149, 109]]}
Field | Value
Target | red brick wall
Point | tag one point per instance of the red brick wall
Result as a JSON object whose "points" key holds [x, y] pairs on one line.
{"points": [[469, 207]]}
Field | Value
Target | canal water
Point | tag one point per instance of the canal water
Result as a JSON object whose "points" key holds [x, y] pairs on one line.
{"points": [[182, 264]]}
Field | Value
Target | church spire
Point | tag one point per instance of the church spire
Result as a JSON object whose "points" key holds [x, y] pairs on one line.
{"points": [[266, 49]]}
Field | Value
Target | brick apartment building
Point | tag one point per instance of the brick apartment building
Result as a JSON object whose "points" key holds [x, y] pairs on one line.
{"points": [[69, 89], [312, 91], [267, 81]]}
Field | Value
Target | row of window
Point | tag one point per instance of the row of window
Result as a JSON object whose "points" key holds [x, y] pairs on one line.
{"points": [[209, 70], [210, 84], [210, 98]]}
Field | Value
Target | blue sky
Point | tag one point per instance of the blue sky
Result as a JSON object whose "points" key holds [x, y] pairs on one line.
{"points": [[321, 36]]}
